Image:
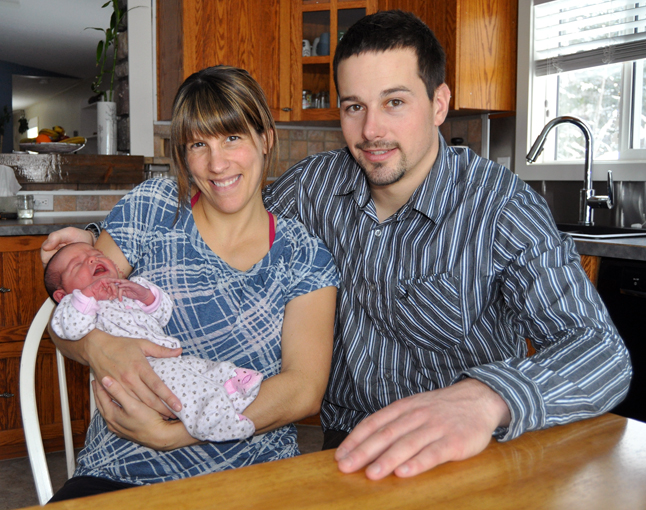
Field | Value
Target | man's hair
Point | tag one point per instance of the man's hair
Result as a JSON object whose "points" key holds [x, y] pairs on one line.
{"points": [[394, 30], [53, 277]]}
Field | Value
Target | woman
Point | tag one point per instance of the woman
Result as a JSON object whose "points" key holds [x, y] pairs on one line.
{"points": [[246, 288]]}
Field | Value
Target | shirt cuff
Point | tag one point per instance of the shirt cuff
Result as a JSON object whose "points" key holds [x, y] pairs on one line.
{"points": [[521, 395], [84, 304], [95, 229], [152, 307]]}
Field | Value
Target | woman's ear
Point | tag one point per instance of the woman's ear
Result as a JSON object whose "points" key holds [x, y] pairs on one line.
{"points": [[267, 141]]}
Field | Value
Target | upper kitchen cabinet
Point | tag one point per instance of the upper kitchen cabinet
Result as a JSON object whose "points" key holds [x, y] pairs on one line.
{"points": [[479, 38], [240, 33], [265, 37]]}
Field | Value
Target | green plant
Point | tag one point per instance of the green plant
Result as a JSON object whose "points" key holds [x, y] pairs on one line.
{"points": [[23, 125], [102, 50], [4, 118]]}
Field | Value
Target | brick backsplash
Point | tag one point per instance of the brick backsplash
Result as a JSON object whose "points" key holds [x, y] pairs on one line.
{"points": [[298, 143]]}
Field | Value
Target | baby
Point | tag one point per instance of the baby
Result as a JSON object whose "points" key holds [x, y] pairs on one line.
{"points": [[90, 294]]}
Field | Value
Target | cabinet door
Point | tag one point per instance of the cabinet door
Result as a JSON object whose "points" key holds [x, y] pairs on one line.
{"points": [[23, 292], [321, 23], [479, 38], [240, 33]]}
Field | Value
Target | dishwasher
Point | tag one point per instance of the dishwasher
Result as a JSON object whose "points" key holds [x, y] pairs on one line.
{"points": [[622, 286]]}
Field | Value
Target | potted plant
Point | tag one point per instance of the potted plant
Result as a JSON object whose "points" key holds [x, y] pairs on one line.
{"points": [[5, 117], [106, 61]]}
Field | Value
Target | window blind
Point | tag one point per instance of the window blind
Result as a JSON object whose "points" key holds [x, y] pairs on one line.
{"points": [[577, 34]]}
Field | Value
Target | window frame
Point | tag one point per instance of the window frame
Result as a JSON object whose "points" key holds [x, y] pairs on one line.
{"points": [[623, 170]]}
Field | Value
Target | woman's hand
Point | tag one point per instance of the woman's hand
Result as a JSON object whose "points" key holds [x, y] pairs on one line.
{"points": [[56, 240], [134, 421], [124, 360]]}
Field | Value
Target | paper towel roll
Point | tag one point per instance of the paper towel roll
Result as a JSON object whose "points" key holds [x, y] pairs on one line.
{"points": [[9, 185]]}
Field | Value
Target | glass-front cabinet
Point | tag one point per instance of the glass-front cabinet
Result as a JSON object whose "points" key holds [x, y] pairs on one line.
{"points": [[320, 26]]}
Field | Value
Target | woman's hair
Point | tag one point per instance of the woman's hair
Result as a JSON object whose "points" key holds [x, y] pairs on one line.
{"points": [[394, 30], [219, 101]]}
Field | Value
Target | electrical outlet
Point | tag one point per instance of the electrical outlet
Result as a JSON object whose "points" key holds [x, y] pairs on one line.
{"points": [[43, 202]]}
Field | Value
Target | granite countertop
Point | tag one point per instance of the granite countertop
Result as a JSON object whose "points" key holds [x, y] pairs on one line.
{"points": [[628, 248], [631, 248], [44, 225]]}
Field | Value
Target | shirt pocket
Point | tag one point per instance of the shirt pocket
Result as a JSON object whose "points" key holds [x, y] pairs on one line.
{"points": [[429, 311]]}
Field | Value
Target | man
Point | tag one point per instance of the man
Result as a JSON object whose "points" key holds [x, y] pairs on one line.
{"points": [[448, 263]]}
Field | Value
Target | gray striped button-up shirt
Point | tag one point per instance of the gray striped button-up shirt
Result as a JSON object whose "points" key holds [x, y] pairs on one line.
{"points": [[449, 287]]}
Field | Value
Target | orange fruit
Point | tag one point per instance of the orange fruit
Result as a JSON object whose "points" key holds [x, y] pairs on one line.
{"points": [[43, 139]]}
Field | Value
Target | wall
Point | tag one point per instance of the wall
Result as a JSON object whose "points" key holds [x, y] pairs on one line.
{"points": [[63, 109], [7, 70]]}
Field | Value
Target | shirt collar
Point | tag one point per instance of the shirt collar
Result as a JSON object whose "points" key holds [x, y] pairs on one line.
{"points": [[430, 197], [427, 199], [353, 182]]}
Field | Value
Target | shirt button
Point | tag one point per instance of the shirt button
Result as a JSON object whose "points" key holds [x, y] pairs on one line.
{"points": [[378, 233], [388, 375]]}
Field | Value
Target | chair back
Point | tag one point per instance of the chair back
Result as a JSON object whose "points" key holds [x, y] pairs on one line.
{"points": [[30, 422]]}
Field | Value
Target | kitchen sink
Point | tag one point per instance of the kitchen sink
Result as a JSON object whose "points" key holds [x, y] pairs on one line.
{"points": [[599, 232]]}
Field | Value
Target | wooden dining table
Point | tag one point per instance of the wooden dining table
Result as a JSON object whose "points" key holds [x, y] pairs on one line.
{"points": [[592, 464]]}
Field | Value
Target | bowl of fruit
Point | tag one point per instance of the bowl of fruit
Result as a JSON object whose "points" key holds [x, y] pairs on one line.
{"points": [[52, 141]]}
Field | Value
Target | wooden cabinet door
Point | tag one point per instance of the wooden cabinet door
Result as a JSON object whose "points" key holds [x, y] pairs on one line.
{"points": [[240, 33], [479, 38], [23, 292]]}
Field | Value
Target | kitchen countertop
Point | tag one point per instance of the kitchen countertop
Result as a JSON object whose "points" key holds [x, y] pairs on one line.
{"points": [[631, 248], [44, 225]]}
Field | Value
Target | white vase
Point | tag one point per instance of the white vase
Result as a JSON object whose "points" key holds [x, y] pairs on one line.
{"points": [[106, 122]]}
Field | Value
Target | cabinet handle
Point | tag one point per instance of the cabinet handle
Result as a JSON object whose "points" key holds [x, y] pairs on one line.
{"points": [[6, 395], [287, 109], [4, 289]]}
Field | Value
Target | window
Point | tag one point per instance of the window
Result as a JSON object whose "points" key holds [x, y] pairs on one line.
{"points": [[583, 58]]}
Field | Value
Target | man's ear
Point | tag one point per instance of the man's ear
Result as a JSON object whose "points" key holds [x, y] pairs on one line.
{"points": [[59, 294], [441, 101]]}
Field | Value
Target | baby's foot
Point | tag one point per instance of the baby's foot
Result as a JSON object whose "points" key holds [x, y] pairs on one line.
{"points": [[243, 382]]}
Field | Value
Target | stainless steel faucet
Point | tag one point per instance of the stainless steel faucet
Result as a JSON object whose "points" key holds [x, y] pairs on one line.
{"points": [[587, 199]]}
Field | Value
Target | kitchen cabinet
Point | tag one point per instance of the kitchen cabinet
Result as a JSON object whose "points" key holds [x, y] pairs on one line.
{"points": [[265, 37], [479, 38], [22, 294]]}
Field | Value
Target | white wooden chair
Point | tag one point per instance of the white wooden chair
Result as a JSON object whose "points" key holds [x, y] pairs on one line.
{"points": [[30, 422]]}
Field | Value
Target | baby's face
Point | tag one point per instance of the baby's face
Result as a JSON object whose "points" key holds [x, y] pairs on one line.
{"points": [[82, 265]]}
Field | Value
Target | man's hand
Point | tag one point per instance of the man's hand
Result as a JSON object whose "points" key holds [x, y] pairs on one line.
{"points": [[417, 433], [56, 240], [134, 421]]}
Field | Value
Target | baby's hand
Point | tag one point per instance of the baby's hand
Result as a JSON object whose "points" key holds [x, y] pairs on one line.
{"points": [[102, 290], [134, 291]]}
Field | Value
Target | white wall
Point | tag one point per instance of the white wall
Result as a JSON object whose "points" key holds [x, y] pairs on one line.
{"points": [[140, 76], [63, 109]]}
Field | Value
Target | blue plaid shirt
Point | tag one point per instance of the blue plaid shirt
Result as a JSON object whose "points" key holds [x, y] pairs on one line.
{"points": [[219, 313], [449, 287]]}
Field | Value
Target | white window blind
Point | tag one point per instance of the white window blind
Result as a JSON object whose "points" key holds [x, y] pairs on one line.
{"points": [[577, 34]]}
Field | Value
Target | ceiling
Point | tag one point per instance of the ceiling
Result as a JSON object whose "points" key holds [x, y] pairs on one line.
{"points": [[50, 35]]}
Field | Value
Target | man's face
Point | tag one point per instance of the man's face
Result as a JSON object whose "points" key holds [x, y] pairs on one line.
{"points": [[81, 264], [388, 120]]}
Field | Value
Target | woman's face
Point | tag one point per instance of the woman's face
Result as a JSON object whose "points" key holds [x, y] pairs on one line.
{"points": [[228, 169]]}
